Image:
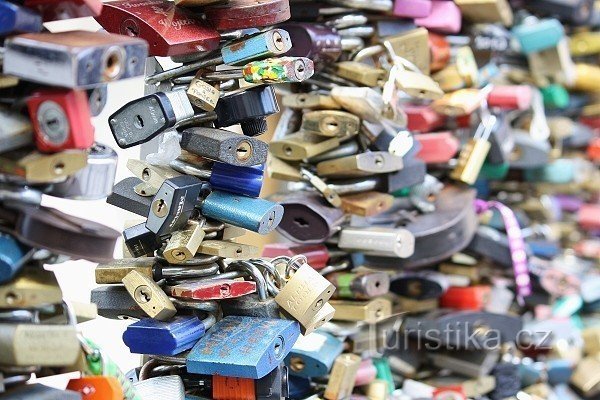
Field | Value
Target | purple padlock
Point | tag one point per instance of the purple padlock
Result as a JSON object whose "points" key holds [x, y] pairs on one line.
{"points": [[412, 8], [317, 42], [445, 17]]}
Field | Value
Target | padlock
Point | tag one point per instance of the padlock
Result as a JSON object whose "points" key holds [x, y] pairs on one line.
{"points": [[330, 123], [228, 249], [473, 298], [314, 355], [18, 19], [341, 379], [61, 120], [249, 108], [317, 42], [364, 102], [243, 359], [213, 289], [149, 296], [76, 59], [114, 302], [378, 241], [367, 204], [316, 255], [486, 11], [459, 103], [584, 43], [203, 94], [577, 12], [96, 387], [437, 147], [423, 118], [54, 10], [312, 101], [140, 241], [224, 146], [444, 17], [143, 119], [369, 311], [517, 97], [31, 288], [35, 167], [420, 286], [149, 336], [359, 286], [11, 257], [247, 14], [183, 244], [304, 294], [302, 145], [473, 155], [360, 73], [16, 130], [412, 8], [538, 35]]}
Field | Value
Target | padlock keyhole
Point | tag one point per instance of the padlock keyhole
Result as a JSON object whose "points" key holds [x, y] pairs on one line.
{"points": [[139, 122], [301, 222]]}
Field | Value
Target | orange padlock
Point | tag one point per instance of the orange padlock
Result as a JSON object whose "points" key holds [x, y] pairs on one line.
{"points": [[97, 387], [593, 150], [231, 388], [472, 298]]}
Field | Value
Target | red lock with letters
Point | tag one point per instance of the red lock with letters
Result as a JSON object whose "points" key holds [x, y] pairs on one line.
{"points": [[242, 14], [61, 120], [216, 289], [438, 147], [169, 30]]}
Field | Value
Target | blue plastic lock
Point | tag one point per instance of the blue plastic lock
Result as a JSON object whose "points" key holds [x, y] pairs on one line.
{"points": [[246, 181], [538, 36], [558, 171], [313, 355], [10, 254], [150, 336], [257, 215], [243, 347], [17, 19], [559, 371]]}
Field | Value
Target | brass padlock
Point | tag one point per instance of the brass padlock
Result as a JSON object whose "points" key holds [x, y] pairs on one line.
{"points": [[369, 311], [486, 11], [586, 376], [301, 145], [311, 101], [226, 249], [183, 244], [202, 94], [33, 288], [331, 123], [281, 170], [357, 165], [367, 204], [149, 296], [36, 167], [341, 378], [360, 73]]}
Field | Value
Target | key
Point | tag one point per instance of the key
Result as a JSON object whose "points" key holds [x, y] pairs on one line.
{"points": [[62, 59], [243, 359], [314, 355], [169, 338], [61, 120], [171, 31], [149, 296], [143, 119]]}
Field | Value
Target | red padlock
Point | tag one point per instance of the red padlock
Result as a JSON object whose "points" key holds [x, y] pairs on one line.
{"points": [[216, 289], [242, 14], [510, 97], [588, 216], [593, 150], [169, 30], [588, 248], [472, 298], [97, 388], [464, 121], [61, 120], [317, 255], [423, 118], [231, 388], [438, 147], [54, 10], [449, 393], [440, 52], [591, 121]]}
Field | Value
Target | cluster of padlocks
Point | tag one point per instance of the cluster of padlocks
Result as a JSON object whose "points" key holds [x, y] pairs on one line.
{"points": [[437, 220]]}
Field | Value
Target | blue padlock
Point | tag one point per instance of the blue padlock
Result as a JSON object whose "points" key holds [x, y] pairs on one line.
{"points": [[243, 347], [17, 19], [10, 255], [540, 35], [257, 215], [299, 387], [246, 181], [544, 248], [313, 355], [559, 371], [150, 336], [562, 170]]}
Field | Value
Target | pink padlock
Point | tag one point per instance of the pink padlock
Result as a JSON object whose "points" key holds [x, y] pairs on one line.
{"points": [[423, 118], [511, 97], [445, 17], [366, 373], [412, 8], [437, 147]]}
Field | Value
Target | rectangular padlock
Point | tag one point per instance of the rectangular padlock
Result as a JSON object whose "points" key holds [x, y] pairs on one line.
{"points": [[378, 241], [75, 59], [272, 341], [32, 288], [183, 244], [486, 11], [35, 167], [302, 145], [310, 101], [61, 120], [149, 296], [364, 102], [367, 204], [413, 45], [331, 123], [316, 255], [360, 73], [212, 289], [171, 30], [54, 10], [227, 249], [359, 286], [314, 355], [18, 19], [445, 17], [370, 311], [423, 118], [114, 302], [363, 164], [203, 94], [438, 147], [412, 8], [16, 130], [343, 374]]}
